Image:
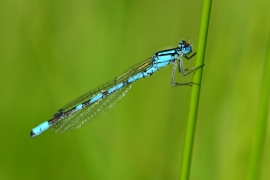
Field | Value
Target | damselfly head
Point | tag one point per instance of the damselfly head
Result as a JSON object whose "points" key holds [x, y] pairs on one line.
{"points": [[185, 47]]}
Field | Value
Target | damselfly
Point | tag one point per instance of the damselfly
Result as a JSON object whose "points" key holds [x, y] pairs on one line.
{"points": [[94, 103]]}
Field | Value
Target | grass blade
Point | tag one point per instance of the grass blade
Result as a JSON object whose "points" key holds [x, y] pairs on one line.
{"points": [[195, 92]]}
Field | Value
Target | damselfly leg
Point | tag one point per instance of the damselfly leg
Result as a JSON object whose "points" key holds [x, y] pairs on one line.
{"points": [[183, 71]]}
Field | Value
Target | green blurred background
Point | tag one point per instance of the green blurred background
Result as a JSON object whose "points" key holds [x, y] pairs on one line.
{"points": [[54, 51]]}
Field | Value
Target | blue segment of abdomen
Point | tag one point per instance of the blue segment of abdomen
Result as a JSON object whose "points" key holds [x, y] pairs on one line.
{"points": [[96, 98], [150, 71], [135, 77], [79, 107], [41, 128], [115, 88]]}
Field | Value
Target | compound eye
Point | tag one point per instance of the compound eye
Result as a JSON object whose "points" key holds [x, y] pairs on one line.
{"points": [[186, 50]]}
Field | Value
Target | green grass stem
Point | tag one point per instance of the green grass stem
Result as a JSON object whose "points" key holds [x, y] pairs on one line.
{"points": [[195, 92], [258, 139]]}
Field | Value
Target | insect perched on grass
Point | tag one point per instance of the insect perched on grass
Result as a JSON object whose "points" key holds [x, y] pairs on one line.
{"points": [[94, 103]]}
